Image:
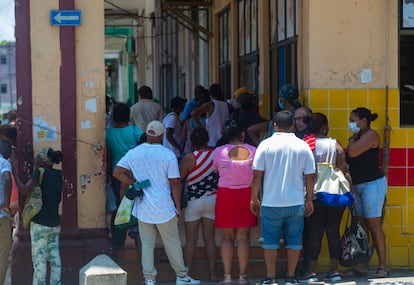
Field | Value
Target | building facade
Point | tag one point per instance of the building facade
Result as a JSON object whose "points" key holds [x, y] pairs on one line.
{"points": [[7, 76], [341, 54]]}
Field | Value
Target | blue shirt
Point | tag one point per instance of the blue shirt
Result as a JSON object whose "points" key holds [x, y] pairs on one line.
{"points": [[4, 166], [188, 108]]}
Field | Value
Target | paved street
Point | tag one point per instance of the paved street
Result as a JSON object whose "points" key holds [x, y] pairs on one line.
{"points": [[398, 277]]}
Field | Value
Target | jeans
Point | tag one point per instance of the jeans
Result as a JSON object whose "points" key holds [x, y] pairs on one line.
{"points": [[286, 220]]}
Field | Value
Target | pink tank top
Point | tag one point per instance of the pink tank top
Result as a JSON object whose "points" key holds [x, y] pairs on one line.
{"points": [[233, 173]]}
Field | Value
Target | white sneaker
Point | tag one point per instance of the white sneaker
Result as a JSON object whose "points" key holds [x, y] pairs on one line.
{"points": [[149, 282], [186, 281]]}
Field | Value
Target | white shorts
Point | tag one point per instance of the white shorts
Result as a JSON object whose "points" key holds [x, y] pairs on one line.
{"points": [[200, 208]]}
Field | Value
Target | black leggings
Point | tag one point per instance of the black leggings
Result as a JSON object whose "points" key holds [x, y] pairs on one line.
{"points": [[327, 219]]}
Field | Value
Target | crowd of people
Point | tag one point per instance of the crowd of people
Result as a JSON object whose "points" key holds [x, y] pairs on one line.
{"points": [[236, 168], [216, 164]]}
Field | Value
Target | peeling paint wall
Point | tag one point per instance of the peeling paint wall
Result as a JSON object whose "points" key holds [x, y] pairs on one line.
{"points": [[346, 38], [45, 77], [90, 90], [91, 114]]}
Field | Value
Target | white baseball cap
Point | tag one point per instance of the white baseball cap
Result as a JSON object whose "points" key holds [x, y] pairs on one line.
{"points": [[155, 129]]}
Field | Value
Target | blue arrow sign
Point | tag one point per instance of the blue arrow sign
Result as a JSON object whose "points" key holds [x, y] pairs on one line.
{"points": [[65, 17]]}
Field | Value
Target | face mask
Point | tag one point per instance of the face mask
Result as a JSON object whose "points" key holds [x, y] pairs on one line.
{"points": [[353, 127], [281, 105]]}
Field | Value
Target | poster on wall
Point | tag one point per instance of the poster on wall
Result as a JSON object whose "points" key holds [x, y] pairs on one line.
{"points": [[408, 14], [43, 131]]}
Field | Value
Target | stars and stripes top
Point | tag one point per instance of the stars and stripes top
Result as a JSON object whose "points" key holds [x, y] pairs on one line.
{"points": [[310, 139], [201, 180]]}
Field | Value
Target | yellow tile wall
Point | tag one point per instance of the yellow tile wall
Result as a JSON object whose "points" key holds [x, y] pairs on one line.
{"points": [[358, 98], [338, 99], [396, 196], [410, 137], [399, 217], [409, 216], [337, 105], [397, 238], [410, 196], [410, 256], [376, 98], [319, 98], [393, 216], [399, 256], [399, 138], [338, 118]]}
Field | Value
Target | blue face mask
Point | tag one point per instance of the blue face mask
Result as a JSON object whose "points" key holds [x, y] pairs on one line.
{"points": [[280, 104], [353, 127]]}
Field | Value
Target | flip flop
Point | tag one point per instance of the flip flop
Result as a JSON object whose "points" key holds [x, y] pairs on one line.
{"points": [[382, 273], [352, 272]]}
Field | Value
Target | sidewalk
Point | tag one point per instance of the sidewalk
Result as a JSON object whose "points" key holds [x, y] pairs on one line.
{"points": [[400, 277]]}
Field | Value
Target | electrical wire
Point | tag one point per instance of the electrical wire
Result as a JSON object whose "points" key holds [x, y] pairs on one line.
{"points": [[21, 120], [139, 16], [132, 14], [145, 17]]}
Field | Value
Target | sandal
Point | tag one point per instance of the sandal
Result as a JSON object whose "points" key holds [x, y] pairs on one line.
{"points": [[382, 273], [352, 272], [226, 280], [243, 280]]}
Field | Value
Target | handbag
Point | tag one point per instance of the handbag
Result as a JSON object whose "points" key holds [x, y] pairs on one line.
{"points": [[124, 218], [34, 202], [332, 188], [354, 243]]}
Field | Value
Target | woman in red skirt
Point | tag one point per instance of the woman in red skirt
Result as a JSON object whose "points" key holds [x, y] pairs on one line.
{"points": [[233, 163]]}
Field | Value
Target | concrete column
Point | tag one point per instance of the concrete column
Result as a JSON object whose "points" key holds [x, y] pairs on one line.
{"points": [[61, 87]]}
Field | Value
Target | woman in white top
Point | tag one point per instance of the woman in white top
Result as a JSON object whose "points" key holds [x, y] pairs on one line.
{"points": [[325, 218]]}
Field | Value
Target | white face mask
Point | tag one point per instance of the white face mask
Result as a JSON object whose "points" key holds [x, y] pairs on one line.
{"points": [[353, 127]]}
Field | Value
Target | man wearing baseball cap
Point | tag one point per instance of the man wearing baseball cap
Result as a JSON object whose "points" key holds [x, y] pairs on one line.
{"points": [[159, 207]]}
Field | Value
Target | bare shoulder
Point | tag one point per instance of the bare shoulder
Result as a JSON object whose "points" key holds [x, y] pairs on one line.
{"points": [[371, 137]]}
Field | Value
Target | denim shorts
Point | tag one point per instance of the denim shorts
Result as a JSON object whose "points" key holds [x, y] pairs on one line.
{"points": [[278, 220], [370, 198]]}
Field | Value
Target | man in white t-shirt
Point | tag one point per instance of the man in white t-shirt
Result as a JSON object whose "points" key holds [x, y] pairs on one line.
{"points": [[159, 206], [282, 160], [172, 125]]}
